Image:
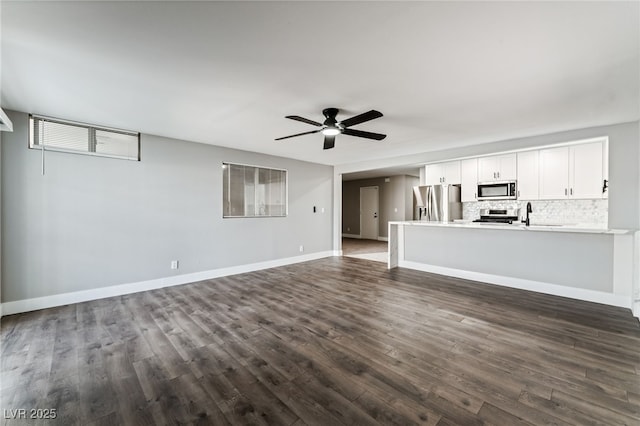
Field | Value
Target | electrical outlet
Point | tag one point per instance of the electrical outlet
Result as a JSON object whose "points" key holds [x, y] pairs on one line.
{"points": [[301, 249], [174, 264], [395, 210], [322, 210], [348, 229]]}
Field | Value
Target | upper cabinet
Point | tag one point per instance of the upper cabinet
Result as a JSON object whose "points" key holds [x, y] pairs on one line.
{"points": [[527, 178], [605, 169], [442, 173], [575, 171], [469, 179], [570, 171], [586, 170], [554, 173], [497, 168]]}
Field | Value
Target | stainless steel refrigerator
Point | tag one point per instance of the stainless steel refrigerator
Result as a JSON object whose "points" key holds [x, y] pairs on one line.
{"points": [[437, 203]]}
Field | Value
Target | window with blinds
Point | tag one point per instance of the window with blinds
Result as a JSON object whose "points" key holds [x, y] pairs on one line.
{"points": [[59, 135], [250, 191]]}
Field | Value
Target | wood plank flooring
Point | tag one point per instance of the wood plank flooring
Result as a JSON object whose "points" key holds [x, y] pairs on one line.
{"points": [[328, 342]]}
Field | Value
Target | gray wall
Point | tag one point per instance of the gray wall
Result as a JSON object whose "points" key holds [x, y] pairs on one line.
{"points": [[92, 222], [624, 174], [580, 260], [395, 194]]}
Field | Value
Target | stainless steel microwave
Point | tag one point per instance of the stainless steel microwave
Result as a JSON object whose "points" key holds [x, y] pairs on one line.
{"points": [[497, 190]]}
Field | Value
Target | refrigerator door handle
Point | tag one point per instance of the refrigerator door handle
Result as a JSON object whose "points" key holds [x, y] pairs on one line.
{"points": [[434, 206], [428, 204]]}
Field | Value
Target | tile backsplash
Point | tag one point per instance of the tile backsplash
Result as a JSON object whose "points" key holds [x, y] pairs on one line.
{"points": [[568, 212]]}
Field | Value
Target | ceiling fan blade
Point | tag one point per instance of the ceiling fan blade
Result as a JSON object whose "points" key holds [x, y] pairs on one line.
{"points": [[298, 134], [304, 120], [366, 116], [329, 142], [362, 134]]}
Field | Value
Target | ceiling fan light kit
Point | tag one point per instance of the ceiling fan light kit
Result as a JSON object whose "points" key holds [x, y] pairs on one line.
{"points": [[331, 131], [331, 127]]}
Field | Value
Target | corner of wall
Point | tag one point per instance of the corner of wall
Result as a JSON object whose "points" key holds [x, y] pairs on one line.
{"points": [[0, 224], [635, 293]]}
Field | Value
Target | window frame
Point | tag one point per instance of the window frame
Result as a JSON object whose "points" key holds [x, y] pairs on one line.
{"points": [[226, 164], [91, 141]]}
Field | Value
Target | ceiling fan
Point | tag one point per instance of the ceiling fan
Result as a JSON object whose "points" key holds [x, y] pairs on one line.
{"points": [[331, 127]]}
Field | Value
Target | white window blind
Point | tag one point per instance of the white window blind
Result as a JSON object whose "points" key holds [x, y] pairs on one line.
{"points": [[250, 191], [59, 135]]}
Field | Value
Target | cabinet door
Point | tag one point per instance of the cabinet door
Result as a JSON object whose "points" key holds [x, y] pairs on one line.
{"points": [[605, 168], [554, 173], [527, 177], [451, 172], [585, 170], [507, 167], [433, 174], [469, 179], [488, 169]]}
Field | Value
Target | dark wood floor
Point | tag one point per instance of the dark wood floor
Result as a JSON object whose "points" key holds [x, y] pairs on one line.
{"points": [[333, 341]]}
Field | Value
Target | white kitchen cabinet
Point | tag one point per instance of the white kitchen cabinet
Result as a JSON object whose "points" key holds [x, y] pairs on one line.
{"points": [[585, 170], [469, 179], [605, 169], [497, 168], [554, 173], [452, 173], [433, 174], [527, 176], [443, 173], [574, 171]]}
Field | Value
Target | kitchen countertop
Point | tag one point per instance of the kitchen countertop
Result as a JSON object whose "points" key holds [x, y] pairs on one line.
{"points": [[583, 228]]}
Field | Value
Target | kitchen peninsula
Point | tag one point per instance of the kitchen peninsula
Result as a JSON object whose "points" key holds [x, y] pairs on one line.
{"points": [[580, 262]]}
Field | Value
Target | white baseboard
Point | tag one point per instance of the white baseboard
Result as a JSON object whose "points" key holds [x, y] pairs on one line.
{"points": [[537, 286], [26, 305], [383, 239], [351, 236]]}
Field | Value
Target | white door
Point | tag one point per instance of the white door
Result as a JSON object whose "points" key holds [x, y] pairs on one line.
{"points": [[528, 175], [497, 168], [488, 168], [554, 173], [585, 170], [434, 174], [469, 179], [507, 167], [369, 212], [451, 172]]}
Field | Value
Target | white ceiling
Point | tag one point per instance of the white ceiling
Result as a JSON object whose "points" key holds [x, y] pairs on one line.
{"points": [[444, 74]]}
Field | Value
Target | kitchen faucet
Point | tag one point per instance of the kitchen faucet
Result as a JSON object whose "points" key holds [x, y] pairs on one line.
{"points": [[529, 210]]}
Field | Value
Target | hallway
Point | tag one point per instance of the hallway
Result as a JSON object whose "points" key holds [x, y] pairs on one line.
{"points": [[365, 249]]}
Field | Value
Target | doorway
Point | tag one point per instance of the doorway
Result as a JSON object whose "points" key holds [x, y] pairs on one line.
{"points": [[365, 249], [369, 205]]}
